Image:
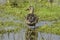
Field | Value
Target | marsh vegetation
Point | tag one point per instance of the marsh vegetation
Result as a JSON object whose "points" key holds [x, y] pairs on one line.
{"points": [[13, 15]]}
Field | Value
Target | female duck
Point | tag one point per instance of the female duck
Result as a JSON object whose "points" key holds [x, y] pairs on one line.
{"points": [[31, 18]]}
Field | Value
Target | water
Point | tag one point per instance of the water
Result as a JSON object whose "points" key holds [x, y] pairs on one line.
{"points": [[42, 23], [13, 36], [46, 36], [21, 34], [2, 2]]}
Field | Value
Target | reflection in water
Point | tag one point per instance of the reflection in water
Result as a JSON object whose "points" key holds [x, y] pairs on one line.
{"points": [[50, 36], [21, 36]]}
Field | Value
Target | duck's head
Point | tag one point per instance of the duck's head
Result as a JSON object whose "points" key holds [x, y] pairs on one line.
{"points": [[30, 9]]}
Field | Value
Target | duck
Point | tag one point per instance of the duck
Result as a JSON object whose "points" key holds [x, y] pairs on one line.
{"points": [[31, 18]]}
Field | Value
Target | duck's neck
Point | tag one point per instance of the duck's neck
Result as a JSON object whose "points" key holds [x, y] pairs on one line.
{"points": [[32, 11]]}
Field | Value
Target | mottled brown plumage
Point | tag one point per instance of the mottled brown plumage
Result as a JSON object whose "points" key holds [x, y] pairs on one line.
{"points": [[31, 18]]}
